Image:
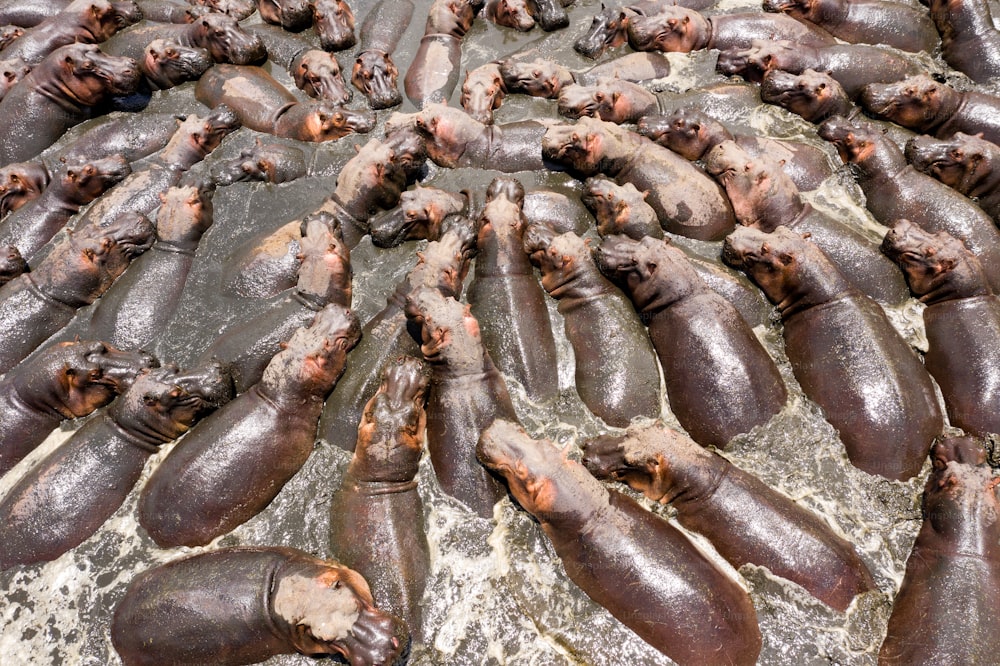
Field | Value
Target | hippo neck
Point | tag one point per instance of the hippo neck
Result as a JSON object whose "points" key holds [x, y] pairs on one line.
{"points": [[58, 199], [818, 283], [582, 283], [501, 252], [965, 280], [952, 102], [318, 286], [353, 220], [716, 134], [694, 478], [50, 289], [181, 154], [370, 488], [288, 399], [40, 400], [142, 427]]}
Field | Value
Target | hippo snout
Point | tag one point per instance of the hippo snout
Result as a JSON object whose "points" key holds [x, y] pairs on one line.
{"points": [[615, 253], [879, 98], [604, 456], [835, 129], [211, 384], [777, 83], [376, 639]]}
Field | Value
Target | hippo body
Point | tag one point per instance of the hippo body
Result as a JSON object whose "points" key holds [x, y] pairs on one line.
{"points": [[133, 136], [865, 21], [374, 72], [315, 72], [81, 21], [970, 41], [220, 34], [433, 72]]}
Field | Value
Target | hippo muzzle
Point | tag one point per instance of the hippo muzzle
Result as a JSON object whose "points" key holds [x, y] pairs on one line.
{"points": [[167, 63], [12, 263], [932, 155], [375, 75], [616, 255], [8, 34], [334, 23], [744, 248], [907, 244], [565, 146], [227, 42], [118, 368], [272, 163], [121, 74], [131, 234], [607, 30], [292, 15], [576, 101], [317, 74], [21, 183]]}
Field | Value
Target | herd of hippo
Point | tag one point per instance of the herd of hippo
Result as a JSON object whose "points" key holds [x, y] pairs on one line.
{"points": [[680, 374]]}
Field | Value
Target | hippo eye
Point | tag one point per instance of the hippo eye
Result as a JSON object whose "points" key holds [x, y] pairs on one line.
{"points": [[537, 73]]}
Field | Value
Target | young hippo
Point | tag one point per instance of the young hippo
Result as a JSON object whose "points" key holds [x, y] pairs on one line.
{"points": [[292, 15], [609, 27], [374, 72], [220, 34], [962, 321], [482, 92], [690, 610], [845, 354], [433, 72], [422, 213], [68, 495], [514, 14], [232, 465], [716, 499], [970, 41], [720, 381], [21, 183], [237, 606], [966, 163], [813, 95], [65, 381]]}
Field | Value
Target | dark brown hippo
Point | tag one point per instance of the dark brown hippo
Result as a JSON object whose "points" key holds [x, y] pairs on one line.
{"points": [[220, 34], [59, 93], [237, 606], [895, 190], [482, 92], [865, 21], [690, 610], [608, 28], [764, 197], [853, 65], [249, 344], [315, 72], [21, 183], [970, 41], [682, 30], [70, 493], [374, 72], [686, 200], [265, 105], [422, 213], [693, 133], [954, 567], [264, 162], [556, 210], [137, 307], [132, 136], [75, 185], [376, 516], [12, 70], [433, 72], [75, 273], [166, 64], [962, 321], [720, 381], [12, 264], [506, 298], [514, 14], [715, 498], [292, 15], [546, 78], [65, 381], [8, 33], [813, 95], [613, 100], [845, 354], [27, 15], [964, 162], [929, 107], [616, 370], [443, 266], [230, 467], [334, 24]]}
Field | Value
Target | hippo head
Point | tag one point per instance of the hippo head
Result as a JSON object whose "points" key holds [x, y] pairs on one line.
{"points": [[559, 257], [447, 131], [88, 75], [752, 185], [82, 181], [321, 120], [12, 263], [409, 150], [511, 14], [375, 75], [8, 33], [449, 333], [482, 92], [444, 264], [419, 215], [130, 234], [269, 163], [238, 9], [813, 95], [960, 502], [167, 64], [914, 102], [326, 608], [620, 209], [325, 272], [538, 78], [671, 30], [20, 183], [185, 214], [506, 187], [580, 147], [196, 136], [607, 30], [937, 266], [654, 273], [317, 74], [226, 41], [963, 162], [687, 131], [292, 15], [805, 10], [12, 70], [312, 360], [855, 143], [334, 23], [99, 20], [613, 100], [762, 57]]}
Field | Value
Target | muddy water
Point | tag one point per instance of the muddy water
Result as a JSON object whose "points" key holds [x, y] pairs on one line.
{"points": [[497, 593]]}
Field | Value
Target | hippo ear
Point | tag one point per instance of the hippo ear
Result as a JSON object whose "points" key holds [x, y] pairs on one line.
{"points": [[163, 197]]}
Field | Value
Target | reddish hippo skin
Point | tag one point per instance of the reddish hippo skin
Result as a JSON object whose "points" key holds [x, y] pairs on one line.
{"points": [[68, 495], [506, 298], [263, 162], [609, 27], [422, 213], [76, 272], [374, 72], [970, 41], [443, 265], [616, 370], [690, 610], [232, 465], [166, 64], [514, 14], [954, 566], [865, 21], [467, 393], [764, 197], [12, 70], [720, 381], [433, 72], [376, 516], [962, 321], [613, 100], [844, 353], [966, 163], [59, 93], [715, 498], [813, 95], [482, 92], [686, 200], [334, 24], [895, 190], [220, 34], [9, 33], [65, 381], [292, 15], [237, 606], [21, 183]]}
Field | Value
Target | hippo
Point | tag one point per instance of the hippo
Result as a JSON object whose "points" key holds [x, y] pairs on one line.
{"points": [[952, 570], [166, 64], [236, 606], [962, 322], [70, 493], [681, 30], [764, 197], [616, 370], [929, 107], [315, 72], [57, 94], [12, 264], [334, 24], [720, 381], [686, 200], [64, 381], [422, 213], [609, 28], [514, 14], [546, 78], [169, 11], [21, 183], [133, 136], [376, 516], [374, 72], [970, 41], [482, 92], [266, 434], [690, 610], [715, 498], [844, 353], [265, 105], [220, 34], [292, 15], [12, 70], [263, 162], [75, 185], [9, 33], [895, 190], [865, 21], [28, 15], [612, 100], [813, 95], [506, 298], [442, 265], [76, 272], [238, 9], [433, 72], [693, 133], [964, 162]]}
